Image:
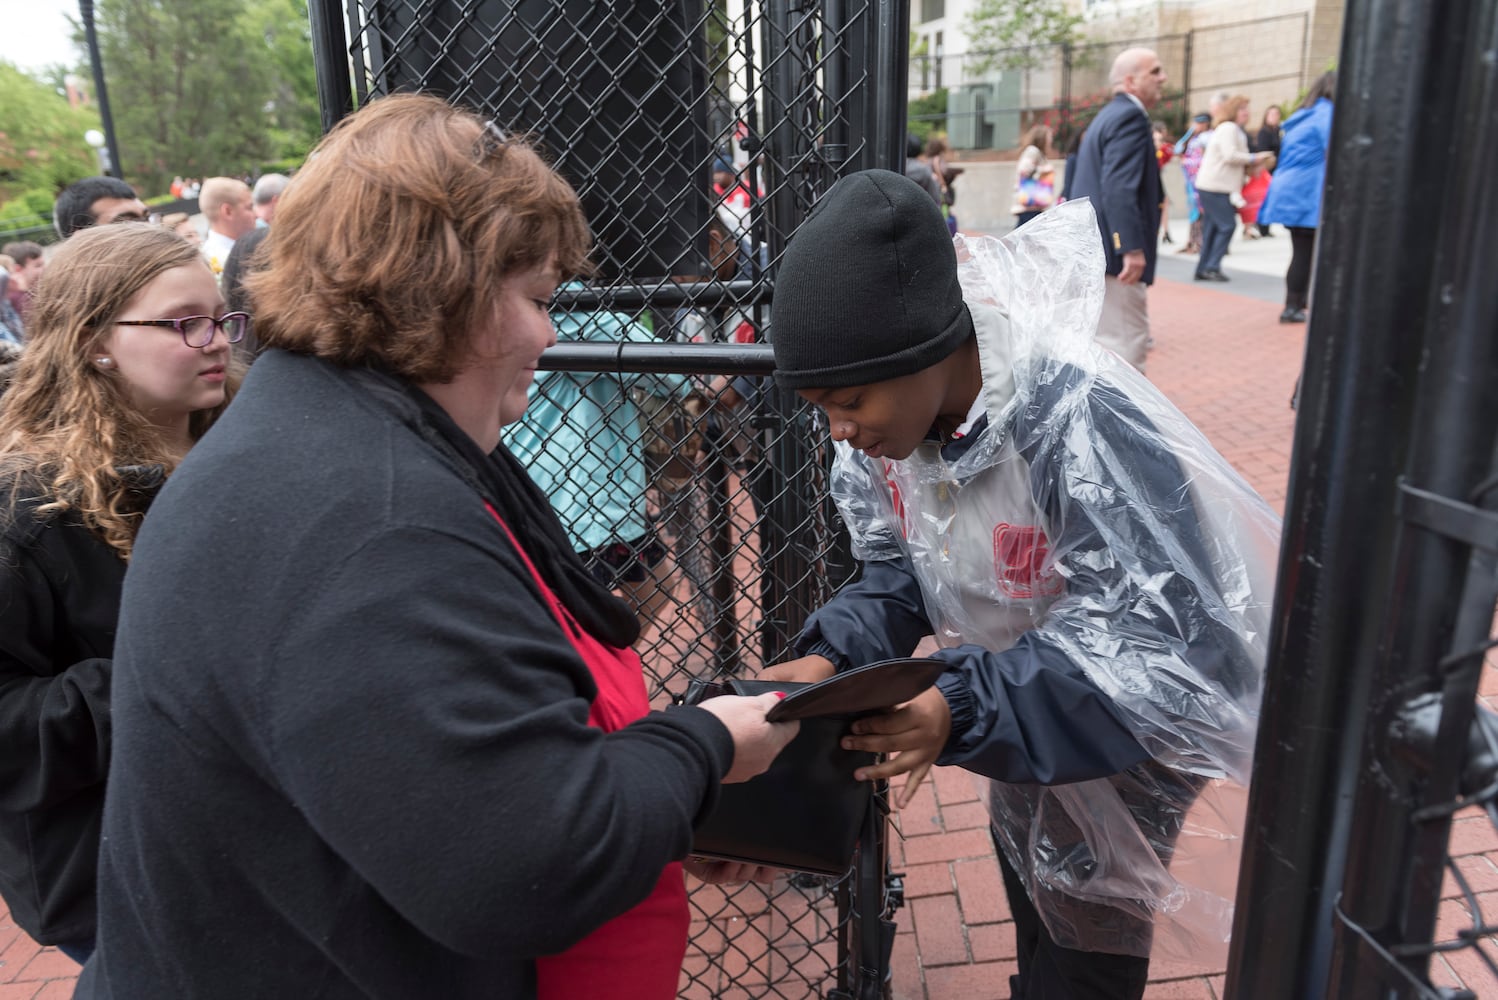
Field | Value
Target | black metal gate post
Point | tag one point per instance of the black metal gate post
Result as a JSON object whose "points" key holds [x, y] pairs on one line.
{"points": [[1395, 124], [330, 61], [1440, 610]]}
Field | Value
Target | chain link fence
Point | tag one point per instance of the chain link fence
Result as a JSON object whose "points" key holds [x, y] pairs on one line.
{"points": [[698, 135]]}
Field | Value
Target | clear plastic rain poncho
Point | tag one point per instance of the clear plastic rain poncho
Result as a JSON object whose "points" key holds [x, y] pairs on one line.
{"points": [[1144, 558]]}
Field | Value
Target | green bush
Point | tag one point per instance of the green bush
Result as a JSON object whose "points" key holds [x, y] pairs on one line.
{"points": [[928, 114], [28, 217], [287, 165], [36, 201]]}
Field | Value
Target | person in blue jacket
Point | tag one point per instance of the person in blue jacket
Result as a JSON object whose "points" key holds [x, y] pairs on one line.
{"points": [[1096, 575], [580, 440], [1294, 199]]}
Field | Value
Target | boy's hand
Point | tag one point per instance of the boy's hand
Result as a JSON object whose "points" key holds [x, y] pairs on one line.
{"points": [[808, 669], [916, 732], [729, 872]]}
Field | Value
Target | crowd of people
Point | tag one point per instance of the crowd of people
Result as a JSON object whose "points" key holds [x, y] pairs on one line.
{"points": [[1234, 175], [409, 751]]}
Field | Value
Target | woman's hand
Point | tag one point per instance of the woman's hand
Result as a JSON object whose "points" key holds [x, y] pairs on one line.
{"points": [[806, 670], [729, 872], [916, 732], [756, 742]]}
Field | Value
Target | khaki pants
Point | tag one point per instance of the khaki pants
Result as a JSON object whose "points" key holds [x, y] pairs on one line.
{"points": [[1125, 326]]}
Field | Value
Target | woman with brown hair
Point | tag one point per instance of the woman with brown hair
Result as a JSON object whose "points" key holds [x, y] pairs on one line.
{"points": [[1223, 171], [409, 752], [126, 366]]}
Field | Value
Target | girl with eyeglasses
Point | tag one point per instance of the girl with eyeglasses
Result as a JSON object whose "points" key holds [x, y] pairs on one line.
{"points": [[126, 365]]}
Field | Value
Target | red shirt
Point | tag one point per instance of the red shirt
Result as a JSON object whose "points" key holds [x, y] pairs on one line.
{"points": [[638, 954]]}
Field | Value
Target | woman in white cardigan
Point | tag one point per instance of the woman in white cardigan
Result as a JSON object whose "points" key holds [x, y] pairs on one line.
{"points": [[1221, 177]]}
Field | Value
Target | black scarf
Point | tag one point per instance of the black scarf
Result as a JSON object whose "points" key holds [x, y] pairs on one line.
{"points": [[503, 482]]}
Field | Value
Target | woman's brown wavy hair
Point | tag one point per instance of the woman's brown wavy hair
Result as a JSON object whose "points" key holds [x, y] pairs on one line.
{"points": [[1229, 110], [390, 243], [67, 426]]}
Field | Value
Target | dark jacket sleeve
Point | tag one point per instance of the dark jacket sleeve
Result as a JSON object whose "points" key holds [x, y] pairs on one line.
{"points": [[54, 717], [879, 616], [456, 769], [1127, 152]]}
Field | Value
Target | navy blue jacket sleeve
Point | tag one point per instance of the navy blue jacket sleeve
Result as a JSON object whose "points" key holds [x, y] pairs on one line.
{"points": [[1126, 155], [879, 616]]}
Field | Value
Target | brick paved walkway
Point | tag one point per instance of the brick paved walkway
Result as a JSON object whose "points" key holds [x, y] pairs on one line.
{"points": [[1226, 361]]}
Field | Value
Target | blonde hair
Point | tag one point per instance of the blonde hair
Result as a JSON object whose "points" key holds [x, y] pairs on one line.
{"points": [[67, 426], [390, 248], [1229, 110], [220, 191], [1039, 136]]}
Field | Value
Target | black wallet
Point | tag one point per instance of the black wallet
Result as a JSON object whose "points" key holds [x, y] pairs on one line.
{"points": [[804, 813]]}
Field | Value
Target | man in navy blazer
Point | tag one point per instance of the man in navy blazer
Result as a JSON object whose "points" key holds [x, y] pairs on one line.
{"points": [[1117, 169]]}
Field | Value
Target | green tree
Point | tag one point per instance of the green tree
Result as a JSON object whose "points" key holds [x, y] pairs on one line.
{"points": [[296, 121], [1018, 34], [189, 84], [41, 137]]}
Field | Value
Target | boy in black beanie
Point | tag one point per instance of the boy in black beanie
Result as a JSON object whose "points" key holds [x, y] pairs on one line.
{"points": [[1098, 577]]}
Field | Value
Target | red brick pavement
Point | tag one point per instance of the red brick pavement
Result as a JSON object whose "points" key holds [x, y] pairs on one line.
{"points": [[1224, 360], [27, 970]]}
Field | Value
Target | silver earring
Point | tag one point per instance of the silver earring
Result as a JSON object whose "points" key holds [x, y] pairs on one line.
{"points": [[104, 361]]}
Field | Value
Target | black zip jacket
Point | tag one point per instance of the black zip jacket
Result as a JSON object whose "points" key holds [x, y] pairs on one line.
{"points": [[59, 605]]}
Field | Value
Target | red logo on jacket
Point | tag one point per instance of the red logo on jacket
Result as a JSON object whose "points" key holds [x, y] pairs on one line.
{"points": [[895, 498], [1020, 554]]}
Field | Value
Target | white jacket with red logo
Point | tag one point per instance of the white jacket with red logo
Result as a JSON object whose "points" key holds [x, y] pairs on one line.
{"points": [[1100, 581]]}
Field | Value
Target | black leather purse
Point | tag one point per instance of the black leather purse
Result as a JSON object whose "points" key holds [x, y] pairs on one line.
{"points": [[804, 813]]}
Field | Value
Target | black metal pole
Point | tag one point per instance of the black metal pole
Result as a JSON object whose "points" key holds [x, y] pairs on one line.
{"points": [[330, 61], [1443, 592], [891, 75], [101, 93], [1394, 111], [1186, 71]]}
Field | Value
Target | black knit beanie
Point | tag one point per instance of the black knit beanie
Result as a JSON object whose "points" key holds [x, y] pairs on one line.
{"points": [[867, 289]]}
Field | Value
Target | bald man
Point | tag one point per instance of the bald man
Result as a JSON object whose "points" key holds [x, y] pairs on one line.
{"points": [[1117, 169], [230, 210]]}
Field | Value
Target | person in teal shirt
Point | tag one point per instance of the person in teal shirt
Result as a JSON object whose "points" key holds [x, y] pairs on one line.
{"points": [[581, 441]]}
